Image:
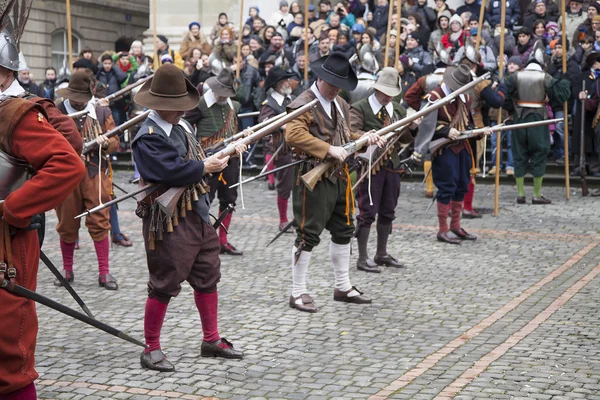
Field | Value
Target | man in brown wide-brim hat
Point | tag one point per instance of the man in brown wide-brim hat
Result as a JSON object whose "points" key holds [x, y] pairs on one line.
{"points": [[215, 118], [185, 246], [96, 183]]}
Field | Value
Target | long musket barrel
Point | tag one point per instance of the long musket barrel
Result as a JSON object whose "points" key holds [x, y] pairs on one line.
{"points": [[120, 93], [92, 144], [167, 202], [311, 178], [78, 114], [249, 114], [240, 135], [436, 144], [149, 186]]}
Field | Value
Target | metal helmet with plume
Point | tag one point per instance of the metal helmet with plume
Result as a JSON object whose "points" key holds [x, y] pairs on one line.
{"points": [[538, 55], [10, 33], [443, 55]]}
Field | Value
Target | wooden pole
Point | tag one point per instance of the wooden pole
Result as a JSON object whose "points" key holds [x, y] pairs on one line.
{"points": [[499, 134], [481, 12], [239, 45], [387, 35], [565, 106], [69, 35], [156, 61], [306, 42], [397, 49]]}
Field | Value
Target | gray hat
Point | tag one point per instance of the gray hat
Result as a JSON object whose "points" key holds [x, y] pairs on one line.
{"points": [[515, 60], [283, 3], [388, 82], [457, 77]]}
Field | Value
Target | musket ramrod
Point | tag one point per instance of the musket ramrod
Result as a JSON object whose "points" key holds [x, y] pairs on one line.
{"points": [[311, 178]]}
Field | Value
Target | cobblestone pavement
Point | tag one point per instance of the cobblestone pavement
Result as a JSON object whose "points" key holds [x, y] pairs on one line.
{"points": [[515, 314]]}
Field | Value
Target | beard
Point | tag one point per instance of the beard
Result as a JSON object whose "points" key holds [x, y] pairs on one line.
{"points": [[287, 91]]}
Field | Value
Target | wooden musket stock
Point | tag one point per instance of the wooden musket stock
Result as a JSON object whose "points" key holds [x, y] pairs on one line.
{"points": [[92, 144], [313, 176]]}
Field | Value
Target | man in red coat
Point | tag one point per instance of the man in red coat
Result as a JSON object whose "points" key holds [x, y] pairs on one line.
{"points": [[25, 134]]}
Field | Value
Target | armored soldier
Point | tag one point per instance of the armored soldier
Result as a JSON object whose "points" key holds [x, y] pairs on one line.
{"points": [[526, 96], [373, 113], [321, 133], [415, 97], [276, 103], [215, 118], [95, 186], [184, 246], [27, 143], [366, 67]]}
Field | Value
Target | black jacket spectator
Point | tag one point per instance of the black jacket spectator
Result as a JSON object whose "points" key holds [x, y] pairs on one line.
{"points": [[380, 20], [513, 13], [552, 10]]}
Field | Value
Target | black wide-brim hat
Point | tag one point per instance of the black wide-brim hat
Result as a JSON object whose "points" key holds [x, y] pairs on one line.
{"points": [[276, 75], [168, 90], [335, 69]]}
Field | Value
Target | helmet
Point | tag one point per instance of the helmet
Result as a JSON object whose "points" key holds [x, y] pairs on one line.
{"points": [[64, 73], [443, 55], [9, 51], [215, 64], [368, 62], [538, 55], [471, 52]]}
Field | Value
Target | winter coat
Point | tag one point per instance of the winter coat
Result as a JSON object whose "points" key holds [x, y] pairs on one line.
{"points": [[250, 79], [112, 80], [509, 44], [552, 10], [190, 43], [216, 30], [530, 20], [348, 20], [347, 49], [420, 59], [380, 20], [513, 13], [177, 60], [525, 52], [449, 44], [427, 14], [132, 71], [225, 51], [472, 8], [280, 21], [573, 21], [48, 87]]}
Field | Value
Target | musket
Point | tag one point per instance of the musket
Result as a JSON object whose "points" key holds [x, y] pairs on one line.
{"points": [[92, 144], [437, 144], [268, 173], [167, 202], [313, 176], [582, 161], [149, 187], [223, 143], [120, 93], [78, 114], [249, 114], [65, 283], [38, 298]]}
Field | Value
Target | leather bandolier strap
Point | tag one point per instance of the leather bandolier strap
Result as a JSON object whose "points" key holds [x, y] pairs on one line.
{"points": [[229, 128]]}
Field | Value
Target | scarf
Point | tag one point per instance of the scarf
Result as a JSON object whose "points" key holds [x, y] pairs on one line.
{"points": [[523, 48], [124, 68]]}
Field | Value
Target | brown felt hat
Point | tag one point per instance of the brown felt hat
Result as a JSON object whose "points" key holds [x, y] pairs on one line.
{"points": [[224, 84], [79, 89], [457, 77], [168, 90]]}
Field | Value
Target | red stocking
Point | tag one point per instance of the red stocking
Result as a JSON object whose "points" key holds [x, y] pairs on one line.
{"points": [[154, 317]]}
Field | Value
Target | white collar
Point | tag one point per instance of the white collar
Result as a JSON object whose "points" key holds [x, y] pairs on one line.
{"points": [[367, 75], [90, 108], [447, 91], [15, 89], [533, 67], [162, 124], [278, 97], [439, 71], [326, 104], [210, 99], [376, 106]]}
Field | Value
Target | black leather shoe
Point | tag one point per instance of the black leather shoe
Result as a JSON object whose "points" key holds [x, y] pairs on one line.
{"points": [[388, 261], [521, 200], [108, 282], [447, 238], [157, 361], [541, 200], [271, 186], [463, 235], [69, 276], [472, 214], [367, 265], [307, 304], [338, 295], [213, 350], [229, 249]]}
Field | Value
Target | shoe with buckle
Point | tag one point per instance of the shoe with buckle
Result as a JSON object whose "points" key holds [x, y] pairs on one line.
{"points": [[228, 248], [68, 275], [448, 238], [463, 235], [368, 265], [213, 349], [108, 282], [338, 295], [121, 240], [388, 261], [157, 361], [521, 200], [540, 200], [470, 214]]}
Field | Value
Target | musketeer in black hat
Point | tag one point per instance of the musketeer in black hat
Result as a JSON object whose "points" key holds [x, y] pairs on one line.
{"points": [[184, 246], [278, 82], [321, 134]]}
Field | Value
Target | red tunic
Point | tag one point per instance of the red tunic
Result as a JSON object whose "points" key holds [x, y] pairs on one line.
{"points": [[59, 170], [61, 122]]}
